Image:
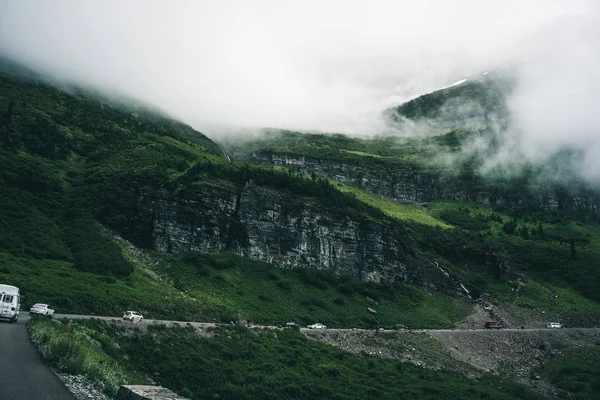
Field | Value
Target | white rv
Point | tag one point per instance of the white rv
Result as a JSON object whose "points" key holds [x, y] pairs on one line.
{"points": [[10, 302]]}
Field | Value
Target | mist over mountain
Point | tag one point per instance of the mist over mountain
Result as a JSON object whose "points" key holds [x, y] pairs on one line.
{"points": [[406, 173], [327, 67]]}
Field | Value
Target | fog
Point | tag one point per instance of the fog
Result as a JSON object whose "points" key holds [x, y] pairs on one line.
{"points": [[328, 66]]}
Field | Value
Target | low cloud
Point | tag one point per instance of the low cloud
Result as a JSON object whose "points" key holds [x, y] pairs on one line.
{"points": [[323, 65], [555, 105]]}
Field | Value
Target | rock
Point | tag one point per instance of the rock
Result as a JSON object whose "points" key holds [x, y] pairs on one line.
{"points": [[408, 184], [288, 231], [81, 388], [146, 392]]}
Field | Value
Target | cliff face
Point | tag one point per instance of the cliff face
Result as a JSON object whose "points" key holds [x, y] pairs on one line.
{"points": [[288, 231], [406, 184]]}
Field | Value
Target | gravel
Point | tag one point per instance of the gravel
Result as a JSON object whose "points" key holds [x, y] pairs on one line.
{"points": [[472, 351], [81, 388]]}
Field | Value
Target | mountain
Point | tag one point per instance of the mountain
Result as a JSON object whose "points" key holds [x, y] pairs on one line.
{"points": [[383, 210], [107, 204], [473, 103], [521, 213], [75, 167]]}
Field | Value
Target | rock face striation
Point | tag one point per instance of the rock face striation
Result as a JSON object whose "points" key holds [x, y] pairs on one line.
{"points": [[407, 184], [286, 230]]}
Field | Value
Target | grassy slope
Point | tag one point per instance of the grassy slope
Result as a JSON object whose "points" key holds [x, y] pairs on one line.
{"points": [[73, 291], [237, 363], [555, 281], [274, 296], [223, 287], [576, 370], [402, 212]]}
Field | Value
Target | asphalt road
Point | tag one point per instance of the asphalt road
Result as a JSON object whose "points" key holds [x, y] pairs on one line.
{"points": [[205, 325], [23, 374]]}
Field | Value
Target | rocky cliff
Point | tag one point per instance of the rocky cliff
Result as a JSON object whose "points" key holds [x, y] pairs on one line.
{"points": [[288, 231], [408, 184]]}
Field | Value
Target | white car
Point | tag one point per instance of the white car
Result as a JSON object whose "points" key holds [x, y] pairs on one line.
{"points": [[133, 316], [317, 326], [554, 325], [41, 309]]}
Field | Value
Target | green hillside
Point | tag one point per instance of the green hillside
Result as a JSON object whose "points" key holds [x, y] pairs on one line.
{"points": [[549, 250], [81, 174], [73, 169], [475, 103], [378, 152]]}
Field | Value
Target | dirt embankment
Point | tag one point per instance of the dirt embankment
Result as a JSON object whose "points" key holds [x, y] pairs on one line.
{"points": [[517, 353], [415, 347]]}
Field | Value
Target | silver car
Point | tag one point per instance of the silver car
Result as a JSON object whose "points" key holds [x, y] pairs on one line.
{"points": [[133, 316], [41, 309], [317, 326]]}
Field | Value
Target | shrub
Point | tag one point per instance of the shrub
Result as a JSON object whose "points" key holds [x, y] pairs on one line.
{"points": [[203, 270], [78, 350], [264, 298], [345, 289], [312, 278], [318, 303], [463, 219], [272, 275], [284, 284]]}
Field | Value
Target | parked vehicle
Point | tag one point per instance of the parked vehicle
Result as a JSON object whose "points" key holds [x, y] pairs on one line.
{"points": [[133, 316], [554, 325], [41, 309], [10, 302], [495, 324], [400, 327], [318, 325], [290, 324]]}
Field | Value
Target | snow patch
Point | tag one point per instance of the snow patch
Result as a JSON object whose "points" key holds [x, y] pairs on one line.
{"points": [[458, 82], [454, 84], [464, 288], [441, 269]]}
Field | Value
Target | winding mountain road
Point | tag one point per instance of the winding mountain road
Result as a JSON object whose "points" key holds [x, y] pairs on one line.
{"points": [[23, 373], [203, 325], [25, 376]]}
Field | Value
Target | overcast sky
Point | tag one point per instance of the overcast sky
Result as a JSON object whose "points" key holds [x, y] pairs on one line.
{"points": [[320, 65]]}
